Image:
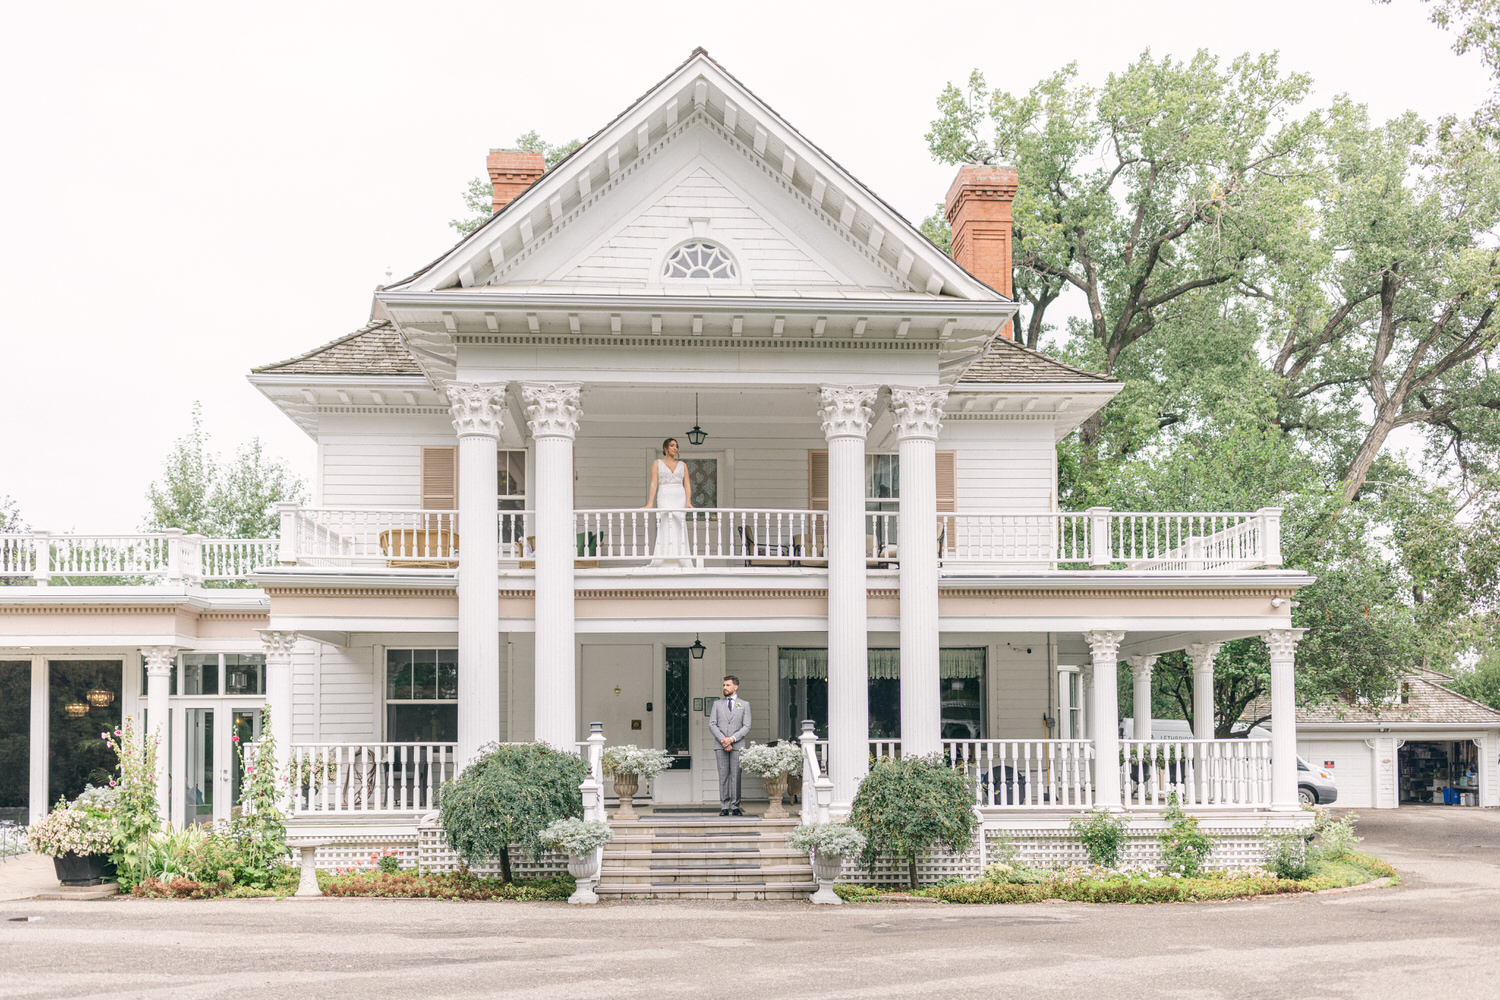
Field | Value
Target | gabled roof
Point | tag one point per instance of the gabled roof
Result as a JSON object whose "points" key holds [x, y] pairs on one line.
{"points": [[373, 349], [701, 94], [1429, 701], [1008, 362]]}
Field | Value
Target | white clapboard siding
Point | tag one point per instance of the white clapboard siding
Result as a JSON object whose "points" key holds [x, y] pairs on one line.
{"points": [[1003, 465], [1019, 685], [375, 472], [765, 254], [348, 697]]}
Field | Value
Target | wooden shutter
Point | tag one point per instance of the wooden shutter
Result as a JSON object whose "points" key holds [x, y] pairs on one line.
{"points": [[817, 480], [947, 493], [440, 478]]}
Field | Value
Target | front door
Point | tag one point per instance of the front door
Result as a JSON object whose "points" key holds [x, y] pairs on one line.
{"points": [[213, 779], [616, 683]]}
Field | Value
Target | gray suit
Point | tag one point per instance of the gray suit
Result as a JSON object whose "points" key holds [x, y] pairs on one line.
{"points": [[735, 725]]}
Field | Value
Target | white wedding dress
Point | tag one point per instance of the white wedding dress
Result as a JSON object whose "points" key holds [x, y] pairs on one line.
{"points": [[672, 548]]}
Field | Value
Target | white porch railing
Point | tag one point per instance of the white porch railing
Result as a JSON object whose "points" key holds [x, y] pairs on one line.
{"points": [[1200, 772], [754, 536], [387, 537], [171, 557], [341, 778], [1018, 773], [1101, 538]]}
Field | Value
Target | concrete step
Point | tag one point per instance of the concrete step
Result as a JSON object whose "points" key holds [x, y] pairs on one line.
{"points": [[709, 876], [705, 890], [700, 859]]}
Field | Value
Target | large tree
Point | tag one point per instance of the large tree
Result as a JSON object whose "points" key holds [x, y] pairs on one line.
{"points": [[203, 494]]}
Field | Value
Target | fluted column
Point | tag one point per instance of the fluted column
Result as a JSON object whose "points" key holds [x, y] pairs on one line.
{"points": [[1140, 695], [478, 410], [158, 705], [1105, 715], [1282, 644], [1201, 656], [552, 412], [919, 418], [845, 412], [278, 645]]}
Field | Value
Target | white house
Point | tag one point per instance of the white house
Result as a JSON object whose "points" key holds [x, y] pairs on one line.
{"points": [[876, 545]]}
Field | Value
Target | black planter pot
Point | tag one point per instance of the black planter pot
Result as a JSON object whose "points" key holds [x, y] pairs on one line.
{"points": [[84, 869]]}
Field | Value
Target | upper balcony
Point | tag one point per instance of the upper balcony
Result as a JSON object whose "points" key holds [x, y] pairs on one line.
{"points": [[638, 542]]}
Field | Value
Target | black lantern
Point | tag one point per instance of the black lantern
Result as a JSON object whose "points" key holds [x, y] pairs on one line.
{"points": [[697, 648], [696, 437]]}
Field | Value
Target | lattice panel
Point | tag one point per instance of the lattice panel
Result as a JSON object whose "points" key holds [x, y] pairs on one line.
{"points": [[437, 856], [354, 852]]}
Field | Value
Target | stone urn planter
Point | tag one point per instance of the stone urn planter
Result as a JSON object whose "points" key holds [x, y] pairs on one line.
{"points": [[775, 789], [626, 785], [83, 869], [585, 871], [826, 869]]}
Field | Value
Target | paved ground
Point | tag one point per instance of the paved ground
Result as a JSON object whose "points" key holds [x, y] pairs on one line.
{"points": [[1433, 936]]}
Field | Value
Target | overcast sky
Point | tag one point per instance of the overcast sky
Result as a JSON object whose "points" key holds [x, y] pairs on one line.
{"points": [[189, 190]]}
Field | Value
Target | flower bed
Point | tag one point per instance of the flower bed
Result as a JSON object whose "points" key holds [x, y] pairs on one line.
{"points": [[1092, 884], [443, 885]]}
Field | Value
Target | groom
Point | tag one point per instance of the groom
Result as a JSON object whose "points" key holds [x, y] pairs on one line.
{"points": [[730, 723]]}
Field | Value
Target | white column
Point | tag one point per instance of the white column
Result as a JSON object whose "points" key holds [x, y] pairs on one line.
{"points": [[845, 411], [158, 680], [919, 418], [278, 645], [41, 738], [1105, 716], [1140, 698], [478, 411], [1201, 656], [552, 412], [1282, 643]]}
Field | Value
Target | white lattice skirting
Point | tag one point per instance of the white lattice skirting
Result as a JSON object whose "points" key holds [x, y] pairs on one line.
{"points": [[437, 856]]}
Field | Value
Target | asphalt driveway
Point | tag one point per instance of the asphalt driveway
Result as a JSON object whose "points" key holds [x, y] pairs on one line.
{"points": [[1435, 935]]}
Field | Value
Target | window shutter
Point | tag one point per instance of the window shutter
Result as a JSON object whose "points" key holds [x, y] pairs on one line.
{"points": [[947, 494], [440, 478], [817, 480]]}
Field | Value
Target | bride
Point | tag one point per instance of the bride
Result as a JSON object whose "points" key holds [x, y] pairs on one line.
{"points": [[671, 492]]}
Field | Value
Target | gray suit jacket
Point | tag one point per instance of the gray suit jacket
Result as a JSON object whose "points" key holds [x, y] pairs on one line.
{"points": [[735, 725]]}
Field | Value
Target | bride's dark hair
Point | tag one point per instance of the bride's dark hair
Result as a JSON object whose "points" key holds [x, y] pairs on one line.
{"points": [[667, 442]]}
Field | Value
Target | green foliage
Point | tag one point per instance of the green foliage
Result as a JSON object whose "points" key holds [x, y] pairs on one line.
{"points": [[259, 832], [1184, 847], [935, 227], [83, 827], [479, 196], [444, 885], [1102, 833], [1009, 874], [10, 516], [201, 494], [772, 761], [905, 805], [1289, 855], [507, 797], [631, 759], [134, 811], [1481, 681]]}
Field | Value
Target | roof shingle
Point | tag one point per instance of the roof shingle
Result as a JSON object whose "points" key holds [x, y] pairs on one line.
{"points": [[1009, 362], [373, 349]]}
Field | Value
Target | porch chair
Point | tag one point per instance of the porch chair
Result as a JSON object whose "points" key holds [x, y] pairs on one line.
{"points": [[419, 548], [754, 548]]}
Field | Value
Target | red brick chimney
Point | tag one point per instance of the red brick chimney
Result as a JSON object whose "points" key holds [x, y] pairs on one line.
{"points": [[978, 210], [513, 171]]}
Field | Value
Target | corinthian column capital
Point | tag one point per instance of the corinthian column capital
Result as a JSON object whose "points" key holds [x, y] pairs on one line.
{"points": [[552, 408], [845, 410], [278, 644], [159, 660], [478, 408], [1104, 644], [1141, 666], [1201, 654], [1282, 642], [918, 411]]}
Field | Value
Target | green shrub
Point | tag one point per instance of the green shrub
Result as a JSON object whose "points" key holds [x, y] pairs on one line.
{"points": [[258, 835], [133, 810], [1102, 833], [1005, 874], [1184, 847], [905, 805], [1336, 837], [460, 885], [1288, 855], [508, 796]]}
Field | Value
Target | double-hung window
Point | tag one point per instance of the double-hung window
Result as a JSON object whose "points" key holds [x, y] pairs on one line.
{"points": [[421, 695]]}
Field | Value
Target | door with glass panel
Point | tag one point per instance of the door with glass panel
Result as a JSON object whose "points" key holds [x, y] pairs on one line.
{"points": [[210, 710]]}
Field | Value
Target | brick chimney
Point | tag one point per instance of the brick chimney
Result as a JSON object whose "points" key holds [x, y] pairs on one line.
{"points": [[978, 210], [513, 171]]}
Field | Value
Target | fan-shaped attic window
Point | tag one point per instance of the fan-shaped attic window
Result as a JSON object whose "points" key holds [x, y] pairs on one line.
{"points": [[700, 259]]}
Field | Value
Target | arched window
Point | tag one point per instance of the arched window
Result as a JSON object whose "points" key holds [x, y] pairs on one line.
{"points": [[699, 259]]}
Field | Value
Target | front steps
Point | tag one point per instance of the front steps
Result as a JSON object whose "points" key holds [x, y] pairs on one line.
{"points": [[703, 856]]}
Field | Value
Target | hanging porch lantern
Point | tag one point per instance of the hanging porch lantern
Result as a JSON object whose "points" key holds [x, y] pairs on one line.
{"points": [[695, 437], [697, 648]]}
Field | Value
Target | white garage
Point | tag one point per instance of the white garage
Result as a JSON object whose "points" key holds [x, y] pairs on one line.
{"points": [[1350, 761]]}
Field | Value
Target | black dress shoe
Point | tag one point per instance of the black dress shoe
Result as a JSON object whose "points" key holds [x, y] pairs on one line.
{"points": [[737, 812], [723, 812]]}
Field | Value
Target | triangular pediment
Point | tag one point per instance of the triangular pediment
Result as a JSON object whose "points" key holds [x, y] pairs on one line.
{"points": [[699, 156]]}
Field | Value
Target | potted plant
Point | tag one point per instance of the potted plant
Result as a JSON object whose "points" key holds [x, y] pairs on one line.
{"points": [[629, 764], [79, 837], [828, 844], [580, 840], [772, 764]]}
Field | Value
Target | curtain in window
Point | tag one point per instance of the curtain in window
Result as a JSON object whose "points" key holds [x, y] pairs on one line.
{"points": [[885, 664]]}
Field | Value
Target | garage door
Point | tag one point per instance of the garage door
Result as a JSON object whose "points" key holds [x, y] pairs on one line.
{"points": [[1350, 770]]}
